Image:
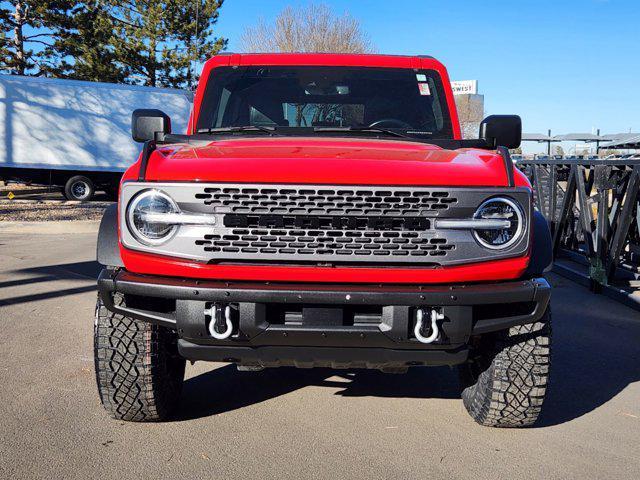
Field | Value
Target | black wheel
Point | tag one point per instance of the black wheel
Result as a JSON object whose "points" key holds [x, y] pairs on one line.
{"points": [[138, 369], [505, 380], [79, 188]]}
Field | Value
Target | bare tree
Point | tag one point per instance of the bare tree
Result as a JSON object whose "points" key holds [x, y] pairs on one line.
{"points": [[313, 28], [470, 113]]}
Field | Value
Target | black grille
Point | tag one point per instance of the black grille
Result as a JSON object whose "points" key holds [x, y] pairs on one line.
{"points": [[319, 243], [325, 201]]}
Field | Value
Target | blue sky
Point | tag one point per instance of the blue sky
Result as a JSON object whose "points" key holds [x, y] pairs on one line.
{"points": [[569, 65]]}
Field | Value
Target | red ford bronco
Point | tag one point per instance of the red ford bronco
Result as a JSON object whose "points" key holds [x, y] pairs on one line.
{"points": [[323, 210]]}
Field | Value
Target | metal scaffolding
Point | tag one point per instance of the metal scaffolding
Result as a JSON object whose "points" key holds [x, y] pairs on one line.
{"points": [[593, 210]]}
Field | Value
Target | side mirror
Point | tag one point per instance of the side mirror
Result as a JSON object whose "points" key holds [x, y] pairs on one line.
{"points": [[149, 124], [502, 131]]}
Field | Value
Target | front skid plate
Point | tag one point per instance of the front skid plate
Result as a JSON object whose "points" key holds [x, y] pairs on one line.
{"points": [[308, 357]]}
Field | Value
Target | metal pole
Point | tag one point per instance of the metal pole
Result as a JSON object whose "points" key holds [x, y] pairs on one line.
{"points": [[195, 66], [549, 143]]}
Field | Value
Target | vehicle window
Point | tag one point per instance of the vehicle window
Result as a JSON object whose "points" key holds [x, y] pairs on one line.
{"points": [[407, 100]]}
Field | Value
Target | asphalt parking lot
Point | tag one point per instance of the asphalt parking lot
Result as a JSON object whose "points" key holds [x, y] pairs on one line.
{"points": [[288, 423]]}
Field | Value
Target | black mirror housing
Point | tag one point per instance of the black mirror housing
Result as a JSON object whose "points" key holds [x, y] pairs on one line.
{"points": [[149, 124], [502, 131]]}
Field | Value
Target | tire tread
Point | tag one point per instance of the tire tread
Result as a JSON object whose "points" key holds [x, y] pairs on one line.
{"points": [[138, 371], [510, 391]]}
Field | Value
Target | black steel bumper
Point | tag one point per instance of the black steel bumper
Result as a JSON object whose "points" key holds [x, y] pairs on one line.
{"points": [[325, 325]]}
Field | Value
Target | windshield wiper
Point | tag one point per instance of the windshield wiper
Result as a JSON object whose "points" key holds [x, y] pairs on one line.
{"points": [[362, 129], [243, 128]]}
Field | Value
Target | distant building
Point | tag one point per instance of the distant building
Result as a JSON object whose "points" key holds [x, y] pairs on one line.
{"points": [[470, 106]]}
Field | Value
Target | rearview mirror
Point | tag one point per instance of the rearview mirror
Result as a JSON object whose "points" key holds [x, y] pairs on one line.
{"points": [[149, 124], [502, 130]]}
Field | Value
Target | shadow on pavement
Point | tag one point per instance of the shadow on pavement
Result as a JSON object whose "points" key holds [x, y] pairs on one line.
{"points": [[595, 355], [67, 271], [89, 269], [225, 389]]}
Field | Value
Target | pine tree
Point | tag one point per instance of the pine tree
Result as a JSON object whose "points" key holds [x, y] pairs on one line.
{"points": [[25, 25], [144, 42], [193, 22], [83, 45], [156, 40]]}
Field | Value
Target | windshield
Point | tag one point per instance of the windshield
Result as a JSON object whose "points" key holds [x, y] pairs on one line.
{"points": [[300, 99]]}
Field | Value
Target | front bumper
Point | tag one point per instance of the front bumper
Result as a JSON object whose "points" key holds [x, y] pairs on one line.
{"points": [[367, 326]]}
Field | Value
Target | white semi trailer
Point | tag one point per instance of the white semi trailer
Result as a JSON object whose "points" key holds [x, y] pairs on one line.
{"points": [[74, 134]]}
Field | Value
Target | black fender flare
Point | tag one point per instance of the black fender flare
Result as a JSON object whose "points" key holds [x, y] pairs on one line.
{"points": [[108, 249], [542, 247]]}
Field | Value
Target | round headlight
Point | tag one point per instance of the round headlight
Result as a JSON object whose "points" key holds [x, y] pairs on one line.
{"points": [[140, 217], [500, 208]]}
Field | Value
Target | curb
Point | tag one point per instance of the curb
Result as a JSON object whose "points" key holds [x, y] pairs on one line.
{"points": [[50, 228], [40, 201]]}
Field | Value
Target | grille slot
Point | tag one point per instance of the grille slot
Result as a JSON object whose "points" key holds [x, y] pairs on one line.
{"points": [[319, 243], [325, 201]]}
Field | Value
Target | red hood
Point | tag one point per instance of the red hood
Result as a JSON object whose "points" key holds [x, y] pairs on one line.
{"points": [[327, 161]]}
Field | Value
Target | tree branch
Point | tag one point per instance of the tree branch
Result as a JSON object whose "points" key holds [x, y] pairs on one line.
{"points": [[41, 42], [29, 37]]}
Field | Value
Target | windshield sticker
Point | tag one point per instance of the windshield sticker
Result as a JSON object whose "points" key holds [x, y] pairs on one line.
{"points": [[421, 77], [424, 89]]}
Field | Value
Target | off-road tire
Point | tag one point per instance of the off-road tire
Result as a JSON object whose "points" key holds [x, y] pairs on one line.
{"points": [[505, 380], [138, 369]]}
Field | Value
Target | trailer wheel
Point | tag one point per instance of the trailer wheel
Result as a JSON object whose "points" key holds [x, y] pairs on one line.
{"points": [[79, 188], [505, 381]]}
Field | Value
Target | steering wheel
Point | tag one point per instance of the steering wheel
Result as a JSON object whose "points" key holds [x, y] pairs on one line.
{"points": [[391, 122]]}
